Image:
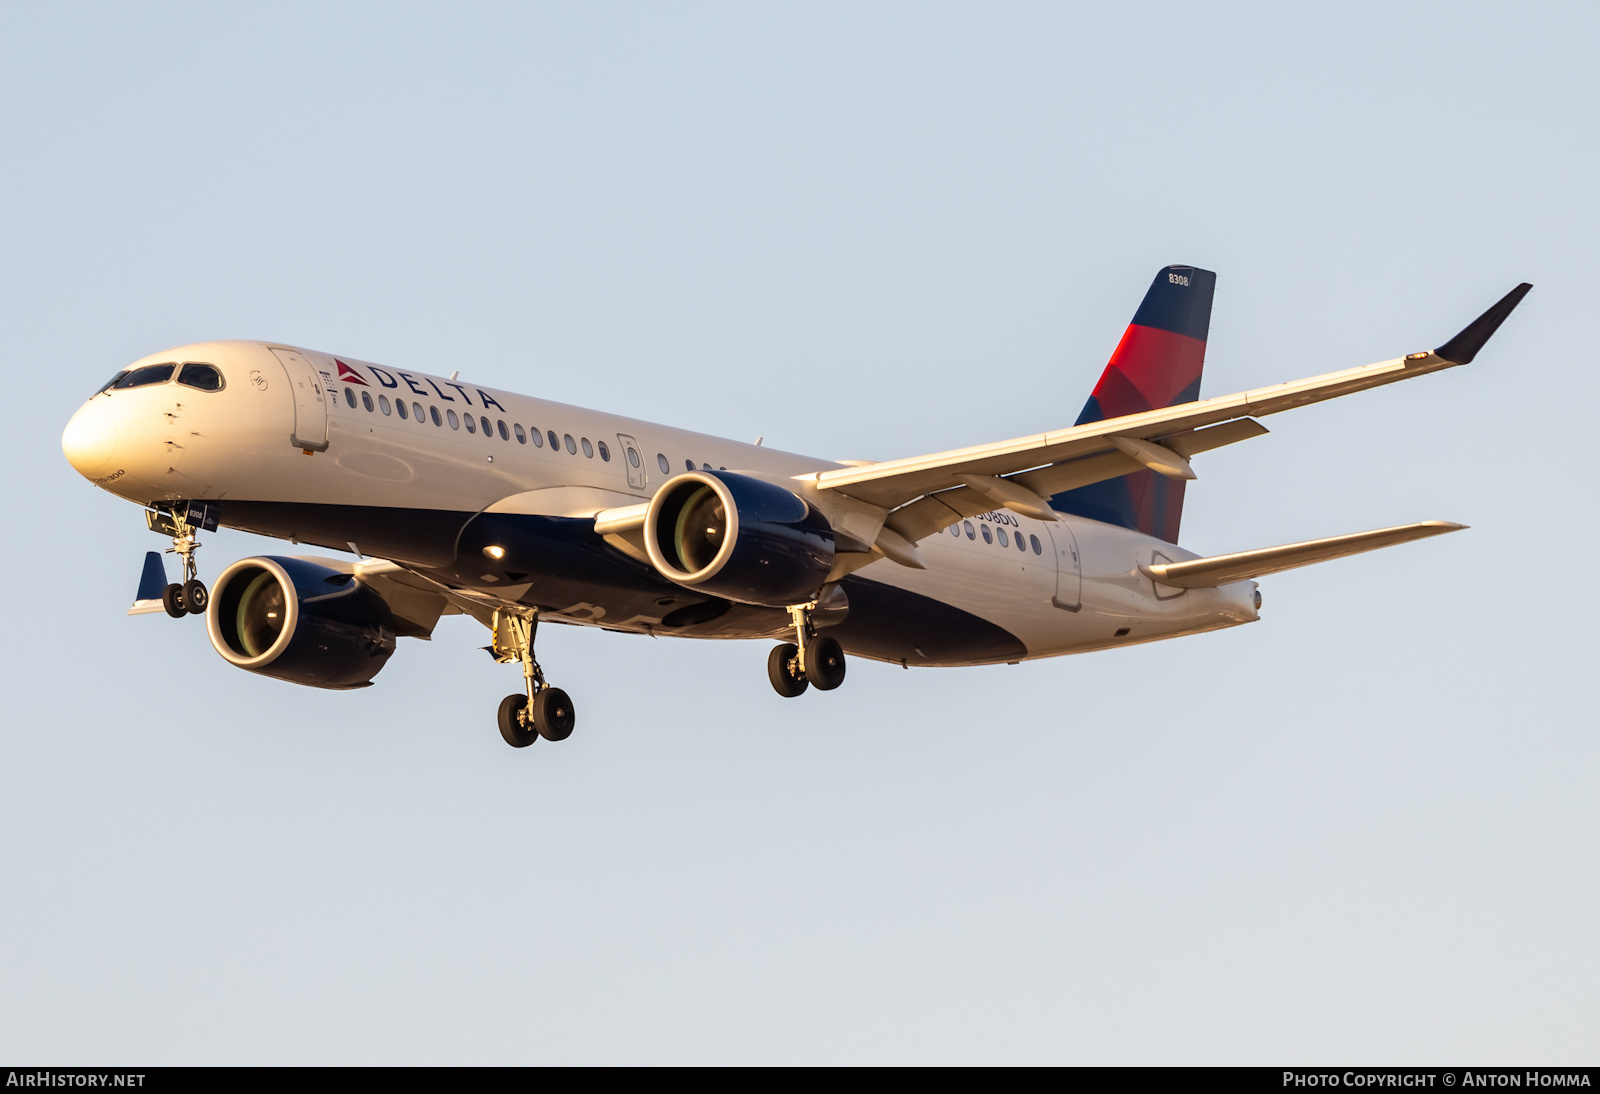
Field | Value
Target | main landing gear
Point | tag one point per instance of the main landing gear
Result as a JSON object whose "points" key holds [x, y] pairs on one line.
{"points": [[188, 596], [543, 711], [813, 659]]}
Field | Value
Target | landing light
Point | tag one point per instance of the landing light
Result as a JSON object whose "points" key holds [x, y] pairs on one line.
{"points": [[495, 553]]}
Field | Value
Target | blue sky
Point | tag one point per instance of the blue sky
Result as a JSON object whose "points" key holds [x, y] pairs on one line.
{"points": [[1362, 829]]}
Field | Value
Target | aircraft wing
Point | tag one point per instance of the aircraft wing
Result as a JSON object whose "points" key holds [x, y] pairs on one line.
{"points": [[1023, 472]]}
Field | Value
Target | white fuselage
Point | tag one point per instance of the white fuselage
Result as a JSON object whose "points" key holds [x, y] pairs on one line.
{"points": [[1079, 589]]}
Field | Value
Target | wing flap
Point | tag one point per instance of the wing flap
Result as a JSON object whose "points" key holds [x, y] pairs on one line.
{"points": [[893, 483], [1205, 573]]}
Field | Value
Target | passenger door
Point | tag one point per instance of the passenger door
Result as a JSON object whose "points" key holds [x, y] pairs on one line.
{"points": [[633, 460], [310, 430], [1069, 571]]}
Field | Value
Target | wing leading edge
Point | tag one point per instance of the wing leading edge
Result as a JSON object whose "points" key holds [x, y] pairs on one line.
{"points": [[926, 494]]}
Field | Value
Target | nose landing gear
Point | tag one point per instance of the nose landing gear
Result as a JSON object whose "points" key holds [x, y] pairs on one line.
{"points": [[188, 596], [544, 711], [814, 660]]}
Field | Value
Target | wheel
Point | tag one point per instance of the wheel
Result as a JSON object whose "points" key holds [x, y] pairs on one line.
{"points": [[825, 662], [172, 600], [553, 715], [514, 723], [783, 670], [195, 597]]}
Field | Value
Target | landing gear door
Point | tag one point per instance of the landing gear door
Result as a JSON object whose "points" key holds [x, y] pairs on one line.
{"points": [[310, 401], [1069, 570], [633, 460]]}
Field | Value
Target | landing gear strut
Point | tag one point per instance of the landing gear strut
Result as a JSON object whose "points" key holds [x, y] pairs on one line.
{"points": [[187, 596], [811, 660], [543, 711]]}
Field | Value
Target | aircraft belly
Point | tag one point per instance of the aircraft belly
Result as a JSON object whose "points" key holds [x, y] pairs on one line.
{"points": [[560, 566]]}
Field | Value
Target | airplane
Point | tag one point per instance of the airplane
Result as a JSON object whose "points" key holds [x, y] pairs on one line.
{"points": [[456, 498]]}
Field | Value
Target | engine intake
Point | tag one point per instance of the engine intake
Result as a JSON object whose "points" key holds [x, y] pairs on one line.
{"points": [[739, 538], [297, 621]]}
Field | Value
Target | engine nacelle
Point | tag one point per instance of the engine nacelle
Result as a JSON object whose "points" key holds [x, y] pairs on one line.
{"points": [[297, 621], [739, 538]]}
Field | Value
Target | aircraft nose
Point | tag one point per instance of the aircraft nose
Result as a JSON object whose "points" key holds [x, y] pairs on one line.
{"points": [[90, 440]]}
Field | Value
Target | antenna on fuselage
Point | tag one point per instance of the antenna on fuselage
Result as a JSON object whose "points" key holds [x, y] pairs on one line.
{"points": [[454, 374]]}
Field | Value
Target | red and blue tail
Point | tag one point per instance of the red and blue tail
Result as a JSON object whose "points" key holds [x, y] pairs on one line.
{"points": [[1157, 364]]}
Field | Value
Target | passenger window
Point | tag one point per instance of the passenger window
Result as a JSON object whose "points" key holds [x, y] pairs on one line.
{"points": [[536, 437], [488, 430], [505, 434], [1021, 546], [661, 462], [967, 525], [139, 377], [350, 398], [955, 530], [204, 377], [555, 442], [400, 408], [987, 536], [433, 411], [455, 423], [522, 434], [1001, 533], [383, 404], [1034, 540], [633, 457], [572, 445], [366, 400], [605, 453], [689, 464], [705, 467], [588, 449], [472, 426]]}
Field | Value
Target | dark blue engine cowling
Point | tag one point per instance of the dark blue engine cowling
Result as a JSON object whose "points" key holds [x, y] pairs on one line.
{"points": [[739, 538], [295, 620]]}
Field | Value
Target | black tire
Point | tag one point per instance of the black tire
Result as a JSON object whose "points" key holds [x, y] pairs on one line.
{"points": [[195, 597], [825, 662], [784, 672], [172, 601], [513, 724], [553, 715]]}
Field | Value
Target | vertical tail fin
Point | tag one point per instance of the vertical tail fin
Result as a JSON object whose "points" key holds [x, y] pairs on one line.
{"points": [[1157, 364]]}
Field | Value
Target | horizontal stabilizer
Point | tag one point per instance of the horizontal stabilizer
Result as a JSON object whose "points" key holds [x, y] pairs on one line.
{"points": [[1205, 573], [152, 583]]}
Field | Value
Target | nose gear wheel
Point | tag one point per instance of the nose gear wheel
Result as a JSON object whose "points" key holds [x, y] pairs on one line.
{"points": [[188, 595]]}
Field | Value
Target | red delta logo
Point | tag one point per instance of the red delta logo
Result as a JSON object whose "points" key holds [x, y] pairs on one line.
{"points": [[349, 375]]}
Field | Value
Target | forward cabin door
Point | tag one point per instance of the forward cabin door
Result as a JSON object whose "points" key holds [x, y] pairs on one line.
{"points": [[310, 401], [1069, 571], [633, 460]]}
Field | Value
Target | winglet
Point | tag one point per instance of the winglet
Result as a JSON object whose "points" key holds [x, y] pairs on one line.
{"points": [[152, 582], [1461, 349]]}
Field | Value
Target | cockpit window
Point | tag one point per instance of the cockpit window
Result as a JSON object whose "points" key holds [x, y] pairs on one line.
{"points": [[139, 377], [204, 377]]}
